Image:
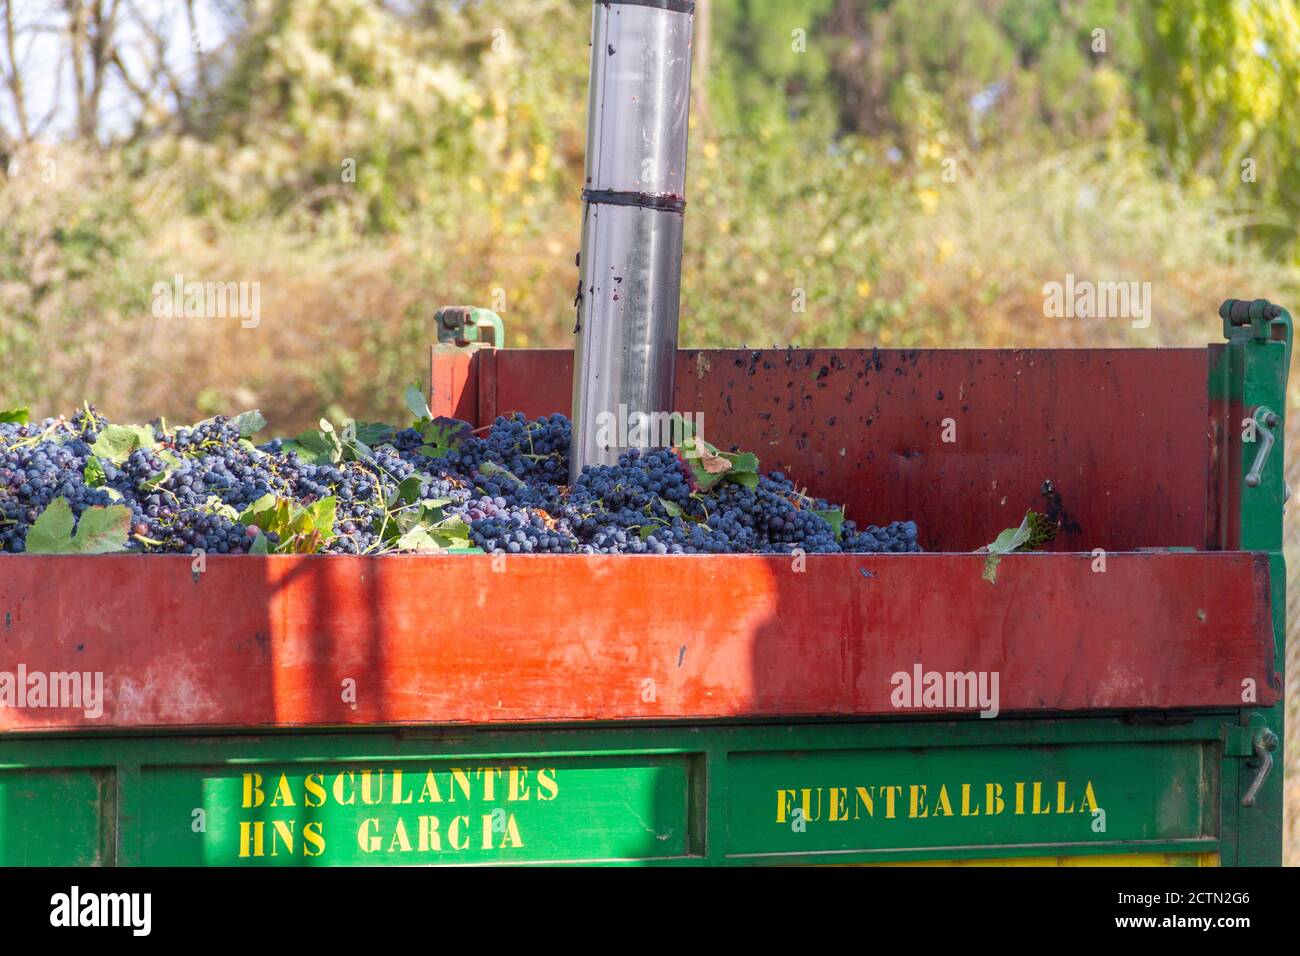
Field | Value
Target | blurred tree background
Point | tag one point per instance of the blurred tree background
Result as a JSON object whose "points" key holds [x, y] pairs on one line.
{"points": [[918, 168]]}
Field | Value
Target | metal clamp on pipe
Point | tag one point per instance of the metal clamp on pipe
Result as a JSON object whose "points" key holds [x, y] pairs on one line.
{"points": [[634, 202]]}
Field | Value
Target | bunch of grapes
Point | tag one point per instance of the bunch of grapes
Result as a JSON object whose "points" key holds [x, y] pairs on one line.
{"points": [[506, 486]]}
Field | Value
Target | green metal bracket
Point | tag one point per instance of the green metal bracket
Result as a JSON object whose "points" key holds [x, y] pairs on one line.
{"points": [[1253, 381], [461, 325]]}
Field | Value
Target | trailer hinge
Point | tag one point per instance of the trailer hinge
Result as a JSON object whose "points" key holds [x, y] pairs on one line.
{"points": [[461, 325], [1237, 741], [1157, 718]]}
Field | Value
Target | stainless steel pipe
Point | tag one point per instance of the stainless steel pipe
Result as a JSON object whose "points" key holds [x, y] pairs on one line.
{"points": [[629, 290]]}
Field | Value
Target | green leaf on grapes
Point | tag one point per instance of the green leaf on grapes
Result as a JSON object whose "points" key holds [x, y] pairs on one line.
{"points": [[415, 402], [248, 423], [101, 530], [302, 530], [834, 518], [18, 416], [374, 433], [317, 447], [259, 545], [745, 462], [674, 510], [116, 442], [408, 492], [170, 464], [490, 468], [93, 474], [441, 435], [320, 515], [215, 506], [747, 478]]}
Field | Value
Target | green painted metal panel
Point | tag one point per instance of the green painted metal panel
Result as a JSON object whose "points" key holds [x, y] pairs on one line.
{"points": [[56, 818], [1251, 373], [392, 812], [636, 795], [960, 797]]}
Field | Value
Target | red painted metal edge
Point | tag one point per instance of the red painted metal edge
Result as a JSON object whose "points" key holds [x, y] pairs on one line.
{"points": [[322, 641]]}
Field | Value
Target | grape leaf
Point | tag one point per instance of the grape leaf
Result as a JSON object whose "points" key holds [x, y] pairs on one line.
{"points": [[317, 447], [415, 402], [441, 435], [101, 530], [170, 464], [490, 468], [674, 510], [1010, 539], [374, 433], [116, 442], [93, 474], [302, 530], [834, 518], [248, 423], [18, 416]]}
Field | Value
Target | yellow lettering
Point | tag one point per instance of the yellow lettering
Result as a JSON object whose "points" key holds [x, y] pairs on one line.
{"points": [[918, 802], [490, 775], [369, 842], [250, 838], [1060, 798], [944, 808], [397, 789], [429, 838], [518, 784], [546, 781], [839, 800], [965, 802], [511, 837], [866, 797], [282, 832], [1089, 799], [338, 789], [283, 794], [453, 834], [430, 789], [1038, 797], [366, 797], [253, 789], [993, 802], [315, 787], [312, 833], [459, 778], [400, 840]]}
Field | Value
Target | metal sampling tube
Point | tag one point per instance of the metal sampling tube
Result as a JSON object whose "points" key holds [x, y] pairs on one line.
{"points": [[630, 265]]}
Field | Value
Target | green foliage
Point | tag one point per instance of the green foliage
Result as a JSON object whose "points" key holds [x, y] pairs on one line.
{"points": [[1221, 95], [100, 530], [301, 529]]}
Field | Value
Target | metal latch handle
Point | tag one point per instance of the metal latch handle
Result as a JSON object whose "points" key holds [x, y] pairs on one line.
{"points": [[1265, 744], [1266, 420]]}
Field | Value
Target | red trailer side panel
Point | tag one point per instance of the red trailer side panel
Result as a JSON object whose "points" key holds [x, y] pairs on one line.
{"points": [[299, 641]]}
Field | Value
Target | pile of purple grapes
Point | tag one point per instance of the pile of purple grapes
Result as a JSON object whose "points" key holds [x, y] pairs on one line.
{"points": [[505, 490]]}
